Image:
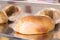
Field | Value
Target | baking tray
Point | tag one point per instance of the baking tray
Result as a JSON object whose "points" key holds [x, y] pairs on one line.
{"points": [[36, 6]]}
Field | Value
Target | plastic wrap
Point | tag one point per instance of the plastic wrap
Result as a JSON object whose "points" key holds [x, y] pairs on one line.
{"points": [[9, 35]]}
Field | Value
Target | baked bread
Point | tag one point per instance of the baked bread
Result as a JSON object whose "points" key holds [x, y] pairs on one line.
{"points": [[47, 36], [3, 17], [3, 28], [34, 25], [4, 38], [11, 9], [51, 12]]}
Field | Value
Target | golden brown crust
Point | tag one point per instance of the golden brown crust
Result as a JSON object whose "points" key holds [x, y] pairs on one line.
{"points": [[49, 12], [4, 38], [3, 28], [3, 17], [10, 9], [46, 36], [43, 25]]}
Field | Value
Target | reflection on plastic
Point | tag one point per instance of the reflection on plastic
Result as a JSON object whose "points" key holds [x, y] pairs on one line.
{"points": [[47, 36]]}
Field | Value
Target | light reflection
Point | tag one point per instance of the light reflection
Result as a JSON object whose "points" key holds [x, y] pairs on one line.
{"points": [[47, 36]]}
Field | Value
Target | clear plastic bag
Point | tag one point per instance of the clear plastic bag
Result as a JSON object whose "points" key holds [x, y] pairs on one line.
{"points": [[35, 8]]}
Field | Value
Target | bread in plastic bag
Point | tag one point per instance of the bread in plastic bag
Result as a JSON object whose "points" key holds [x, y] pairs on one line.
{"points": [[51, 12]]}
